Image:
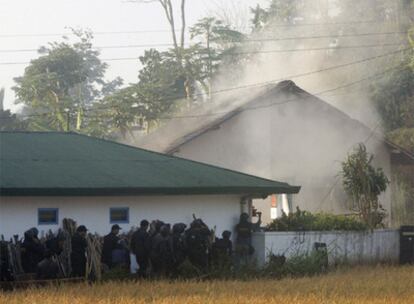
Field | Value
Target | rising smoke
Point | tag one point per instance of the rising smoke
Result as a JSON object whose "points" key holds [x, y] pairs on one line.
{"points": [[346, 29], [295, 142]]}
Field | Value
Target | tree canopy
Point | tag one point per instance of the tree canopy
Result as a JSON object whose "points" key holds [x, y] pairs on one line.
{"points": [[59, 86]]}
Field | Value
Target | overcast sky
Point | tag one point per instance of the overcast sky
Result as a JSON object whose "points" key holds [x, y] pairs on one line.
{"points": [[25, 23]]}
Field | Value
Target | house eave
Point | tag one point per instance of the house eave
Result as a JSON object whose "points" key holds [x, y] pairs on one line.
{"points": [[256, 191]]}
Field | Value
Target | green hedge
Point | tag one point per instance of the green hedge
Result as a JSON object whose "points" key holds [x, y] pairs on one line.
{"points": [[306, 221]]}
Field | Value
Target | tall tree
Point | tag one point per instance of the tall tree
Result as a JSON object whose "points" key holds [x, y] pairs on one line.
{"points": [[141, 104], [60, 85], [394, 94], [168, 8], [179, 44], [217, 43]]}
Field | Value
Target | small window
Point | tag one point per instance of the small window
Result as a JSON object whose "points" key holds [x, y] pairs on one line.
{"points": [[119, 215], [48, 216]]}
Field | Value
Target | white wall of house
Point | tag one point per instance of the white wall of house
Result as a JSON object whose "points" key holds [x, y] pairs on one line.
{"points": [[297, 143], [17, 214]]}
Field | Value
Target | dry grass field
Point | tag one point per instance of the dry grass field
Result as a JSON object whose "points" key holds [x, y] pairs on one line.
{"points": [[381, 284]]}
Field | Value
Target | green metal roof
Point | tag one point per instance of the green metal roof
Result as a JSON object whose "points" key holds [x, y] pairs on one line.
{"points": [[55, 163]]}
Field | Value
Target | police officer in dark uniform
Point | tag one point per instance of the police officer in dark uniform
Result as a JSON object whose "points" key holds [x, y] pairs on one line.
{"points": [[244, 231], [198, 244], [55, 245], [179, 244], [222, 251], [224, 246], [139, 246], [162, 252], [33, 250], [78, 254], [110, 243]]}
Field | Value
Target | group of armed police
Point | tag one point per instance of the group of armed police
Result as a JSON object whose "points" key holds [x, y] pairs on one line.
{"points": [[159, 249]]}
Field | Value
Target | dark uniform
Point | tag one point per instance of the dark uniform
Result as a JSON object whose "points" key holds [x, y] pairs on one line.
{"points": [[244, 231], [120, 255], [139, 246], [224, 246], [222, 251], [5, 267], [198, 244], [109, 244], [78, 254], [55, 245], [162, 256], [33, 251], [179, 244], [48, 268]]}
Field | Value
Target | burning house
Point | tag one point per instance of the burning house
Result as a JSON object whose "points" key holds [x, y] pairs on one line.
{"points": [[282, 132]]}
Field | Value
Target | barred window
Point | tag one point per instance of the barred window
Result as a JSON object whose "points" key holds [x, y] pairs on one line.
{"points": [[119, 215], [48, 216]]}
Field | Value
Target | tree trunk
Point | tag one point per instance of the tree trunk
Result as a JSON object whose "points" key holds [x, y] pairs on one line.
{"points": [[182, 23], [61, 119], [79, 118], [169, 13], [209, 63]]}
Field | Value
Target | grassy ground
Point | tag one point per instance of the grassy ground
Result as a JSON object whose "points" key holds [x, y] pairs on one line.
{"points": [[381, 284]]}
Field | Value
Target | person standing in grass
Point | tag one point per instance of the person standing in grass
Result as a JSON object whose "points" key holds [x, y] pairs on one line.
{"points": [[244, 229], [33, 250], [78, 254], [110, 243], [139, 247]]}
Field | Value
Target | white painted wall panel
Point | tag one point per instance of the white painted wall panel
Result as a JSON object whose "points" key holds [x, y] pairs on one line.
{"points": [[381, 245], [18, 214]]}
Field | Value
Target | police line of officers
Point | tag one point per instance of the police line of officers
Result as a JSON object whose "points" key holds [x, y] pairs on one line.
{"points": [[159, 249]]}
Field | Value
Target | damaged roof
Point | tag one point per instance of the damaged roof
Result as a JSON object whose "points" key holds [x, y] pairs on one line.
{"points": [[56, 163], [182, 129]]}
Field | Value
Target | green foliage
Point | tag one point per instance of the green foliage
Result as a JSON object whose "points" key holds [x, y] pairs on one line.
{"points": [[306, 221], [393, 95], [403, 137], [117, 274], [9, 121], [279, 11], [378, 10], [217, 42], [62, 83], [394, 98], [364, 183], [305, 265], [164, 82], [160, 86], [187, 270]]}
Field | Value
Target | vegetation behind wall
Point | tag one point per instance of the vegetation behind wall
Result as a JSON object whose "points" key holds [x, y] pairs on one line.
{"points": [[306, 221]]}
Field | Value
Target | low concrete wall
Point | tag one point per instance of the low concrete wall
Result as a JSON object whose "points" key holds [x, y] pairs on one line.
{"points": [[343, 246]]}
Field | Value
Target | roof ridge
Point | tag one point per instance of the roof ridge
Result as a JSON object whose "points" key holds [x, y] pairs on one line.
{"points": [[288, 85]]}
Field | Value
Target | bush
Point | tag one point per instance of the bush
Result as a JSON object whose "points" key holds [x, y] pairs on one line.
{"points": [[296, 266], [306, 221]]}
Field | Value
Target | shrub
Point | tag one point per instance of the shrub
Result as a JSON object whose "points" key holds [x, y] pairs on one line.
{"points": [[296, 266], [364, 183], [306, 221]]}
